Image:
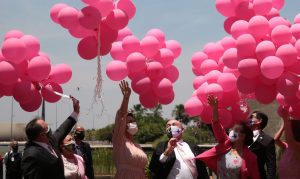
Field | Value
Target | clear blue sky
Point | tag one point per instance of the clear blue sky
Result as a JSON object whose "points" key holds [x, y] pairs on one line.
{"points": [[191, 22]]}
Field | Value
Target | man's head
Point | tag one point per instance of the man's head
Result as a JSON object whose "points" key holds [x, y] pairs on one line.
{"points": [[14, 145], [174, 129], [79, 133], [38, 130], [259, 120]]}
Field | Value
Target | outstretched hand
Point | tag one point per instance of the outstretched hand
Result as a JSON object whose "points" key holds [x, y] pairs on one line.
{"points": [[213, 101], [76, 105], [126, 90]]}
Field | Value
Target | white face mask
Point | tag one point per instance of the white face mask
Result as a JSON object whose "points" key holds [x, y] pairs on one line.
{"points": [[255, 133], [132, 128], [233, 136], [175, 131]]}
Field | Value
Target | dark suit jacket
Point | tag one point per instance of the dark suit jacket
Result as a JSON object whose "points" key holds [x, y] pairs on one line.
{"points": [[162, 170], [86, 151], [264, 148], [38, 163]]}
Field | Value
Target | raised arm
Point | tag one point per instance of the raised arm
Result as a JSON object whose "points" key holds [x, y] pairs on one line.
{"points": [[217, 127], [277, 137], [120, 122]]}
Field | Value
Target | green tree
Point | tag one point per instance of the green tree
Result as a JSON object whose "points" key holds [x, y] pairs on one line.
{"points": [[179, 114]]}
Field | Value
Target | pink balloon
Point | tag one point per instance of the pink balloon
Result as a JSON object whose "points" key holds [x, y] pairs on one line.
{"points": [[214, 89], [264, 49], [265, 94], [208, 65], [32, 45], [249, 68], [246, 85], [136, 62], [67, 17], [235, 72], [288, 54], [225, 7], [23, 91], [87, 48], [171, 73], [39, 68], [128, 7], [294, 111], [230, 58], [13, 34], [8, 73], [272, 13], [272, 67], [193, 107], [123, 33], [89, 17], [239, 113], [198, 81], [238, 28], [81, 32], [149, 46], [174, 46], [60, 73], [297, 19], [287, 84], [245, 45], [297, 46], [148, 100], [262, 7], [34, 104], [228, 23], [7, 90], [116, 70], [163, 87], [167, 99], [280, 99], [225, 118], [14, 50], [154, 69], [117, 19], [278, 4], [117, 52], [227, 81], [104, 6], [228, 42], [197, 71], [281, 35], [291, 100], [212, 76], [213, 50], [296, 30], [160, 35], [141, 83], [165, 57], [104, 30], [134, 75], [276, 21], [229, 98], [206, 115], [244, 10], [199, 57], [131, 44], [200, 92], [48, 92], [259, 26], [55, 10]]}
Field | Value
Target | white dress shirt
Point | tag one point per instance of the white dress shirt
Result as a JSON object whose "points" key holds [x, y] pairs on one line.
{"points": [[180, 169]]}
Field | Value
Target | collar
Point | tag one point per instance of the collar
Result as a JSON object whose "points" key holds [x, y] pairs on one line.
{"points": [[256, 133], [45, 145]]}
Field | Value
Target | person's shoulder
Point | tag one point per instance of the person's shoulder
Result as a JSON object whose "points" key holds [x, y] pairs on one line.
{"points": [[78, 157], [267, 139]]}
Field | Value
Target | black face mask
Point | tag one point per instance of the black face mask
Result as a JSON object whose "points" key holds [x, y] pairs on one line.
{"points": [[79, 135], [15, 148]]}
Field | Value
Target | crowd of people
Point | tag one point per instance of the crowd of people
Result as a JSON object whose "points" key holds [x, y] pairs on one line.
{"points": [[243, 152]]}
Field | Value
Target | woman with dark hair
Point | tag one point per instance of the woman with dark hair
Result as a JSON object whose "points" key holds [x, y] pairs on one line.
{"points": [[290, 159], [230, 158], [129, 158]]}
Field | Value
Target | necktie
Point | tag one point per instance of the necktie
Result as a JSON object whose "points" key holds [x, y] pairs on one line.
{"points": [[187, 160]]}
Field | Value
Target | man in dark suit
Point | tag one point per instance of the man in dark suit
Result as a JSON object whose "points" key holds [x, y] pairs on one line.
{"points": [[42, 158], [174, 158], [84, 150], [263, 146]]}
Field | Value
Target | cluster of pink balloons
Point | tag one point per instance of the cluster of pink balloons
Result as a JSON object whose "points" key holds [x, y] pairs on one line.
{"points": [[97, 24], [260, 58], [27, 74], [148, 63]]}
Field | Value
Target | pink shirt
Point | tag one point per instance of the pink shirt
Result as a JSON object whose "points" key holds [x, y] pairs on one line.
{"points": [[249, 168]]}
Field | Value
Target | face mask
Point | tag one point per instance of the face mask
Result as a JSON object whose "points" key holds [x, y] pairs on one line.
{"points": [[70, 146], [132, 128], [255, 133], [173, 131], [233, 136], [79, 135], [15, 148], [49, 132]]}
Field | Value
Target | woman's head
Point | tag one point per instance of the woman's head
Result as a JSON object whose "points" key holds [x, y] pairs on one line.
{"points": [[68, 145], [241, 133], [131, 127]]}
